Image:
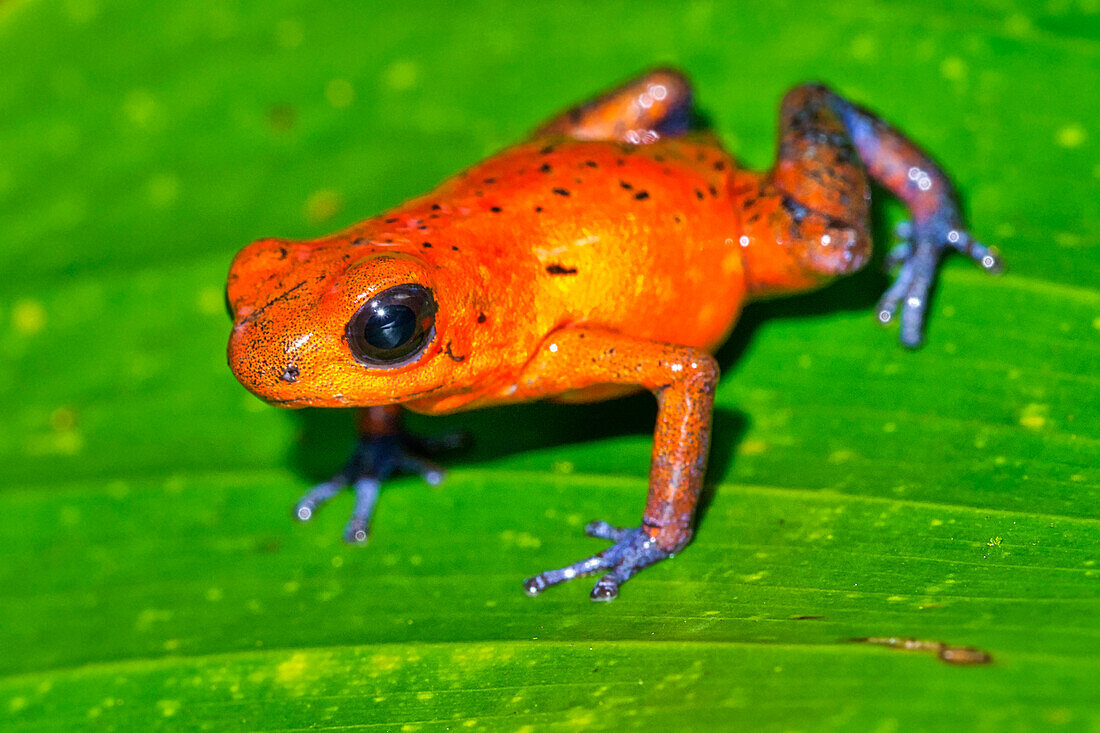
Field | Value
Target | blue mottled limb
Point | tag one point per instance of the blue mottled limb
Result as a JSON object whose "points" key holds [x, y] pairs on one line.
{"points": [[633, 550], [823, 135], [383, 450]]}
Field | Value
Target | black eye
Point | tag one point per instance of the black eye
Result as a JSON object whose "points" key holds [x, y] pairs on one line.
{"points": [[394, 327]]}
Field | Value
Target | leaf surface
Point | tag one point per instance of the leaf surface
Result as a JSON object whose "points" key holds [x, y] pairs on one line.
{"points": [[150, 575]]}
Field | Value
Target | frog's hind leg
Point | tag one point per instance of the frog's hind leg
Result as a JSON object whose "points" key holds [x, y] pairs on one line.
{"points": [[643, 110], [821, 196], [826, 144]]}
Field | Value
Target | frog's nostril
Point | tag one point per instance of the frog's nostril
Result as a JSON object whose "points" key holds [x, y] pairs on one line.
{"points": [[290, 374]]}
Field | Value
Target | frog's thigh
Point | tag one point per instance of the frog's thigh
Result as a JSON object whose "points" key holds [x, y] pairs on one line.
{"points": [[825, 194], [643, 110], [682, 378]]}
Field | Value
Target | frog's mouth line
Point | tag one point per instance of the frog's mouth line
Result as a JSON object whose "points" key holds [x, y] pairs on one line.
{"points": [[292, 404], [295, 403]]}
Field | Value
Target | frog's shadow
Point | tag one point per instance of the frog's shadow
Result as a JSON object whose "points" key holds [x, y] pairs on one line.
{"points": [[327, 436]]}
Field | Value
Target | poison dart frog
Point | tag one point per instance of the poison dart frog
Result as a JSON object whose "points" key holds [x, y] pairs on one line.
{"points": [[609, 252]]}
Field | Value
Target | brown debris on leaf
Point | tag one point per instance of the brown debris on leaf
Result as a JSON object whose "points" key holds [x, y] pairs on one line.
{"points": [[961, 655]]}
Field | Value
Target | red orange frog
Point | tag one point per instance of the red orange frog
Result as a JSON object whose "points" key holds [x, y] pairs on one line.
{"points": [[611, 251]]}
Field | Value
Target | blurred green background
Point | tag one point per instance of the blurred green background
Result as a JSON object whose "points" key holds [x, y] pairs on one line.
{"points": [[149, 571]]}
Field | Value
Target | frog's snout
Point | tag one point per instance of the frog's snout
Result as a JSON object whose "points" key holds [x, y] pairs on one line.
{"points": [[254, 269], [270, 368]]}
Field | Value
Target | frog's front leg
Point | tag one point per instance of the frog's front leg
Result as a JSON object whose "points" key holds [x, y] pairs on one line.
{"points": [[383, 449], [683, 380]]}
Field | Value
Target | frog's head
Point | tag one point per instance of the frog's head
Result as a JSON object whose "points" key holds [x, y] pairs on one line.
{"points": [[328, 324]]}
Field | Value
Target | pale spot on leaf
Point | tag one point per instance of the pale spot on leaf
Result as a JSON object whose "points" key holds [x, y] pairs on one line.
{"points": [[953, 68], [401, 75], [323, 205], [168, 708], [1034, 416], [339, 93], [28, 317], [288, 34], [1071, 136]]}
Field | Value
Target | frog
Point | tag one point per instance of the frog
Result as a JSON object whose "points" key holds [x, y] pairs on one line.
{"points": [[610, 252]]}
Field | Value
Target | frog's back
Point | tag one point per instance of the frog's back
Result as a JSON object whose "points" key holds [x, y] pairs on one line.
{"points": [[641, 239]]}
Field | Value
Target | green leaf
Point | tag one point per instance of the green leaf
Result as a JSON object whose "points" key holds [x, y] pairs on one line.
{"points": [[150, 575]]}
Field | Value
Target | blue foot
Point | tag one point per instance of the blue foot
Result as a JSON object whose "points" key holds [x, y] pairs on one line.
{"points": [[633, 550], [917, 256], [373, 461]]}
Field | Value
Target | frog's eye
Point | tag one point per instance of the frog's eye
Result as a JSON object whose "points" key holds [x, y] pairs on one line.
{"points": [[393, 328]]}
